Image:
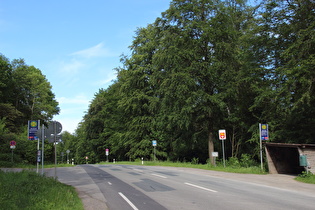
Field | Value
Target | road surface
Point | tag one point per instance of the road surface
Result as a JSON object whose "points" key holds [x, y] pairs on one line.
{"points": [[149, 187]]}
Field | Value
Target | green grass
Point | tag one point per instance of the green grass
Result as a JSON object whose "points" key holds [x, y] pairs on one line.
{"points": [[58, 165], [28, 190], [232, 169], [7, 164], [306, 178]]}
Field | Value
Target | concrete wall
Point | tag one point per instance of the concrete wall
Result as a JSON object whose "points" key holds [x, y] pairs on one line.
{"points": [[284, 158], [310, 156]]}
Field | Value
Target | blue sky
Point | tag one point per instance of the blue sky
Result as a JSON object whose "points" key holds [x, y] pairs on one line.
{"points": [[75, 43]]}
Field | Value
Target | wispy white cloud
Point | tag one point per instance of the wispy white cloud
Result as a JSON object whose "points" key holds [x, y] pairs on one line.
{"points": [[96, 51], [79, 99], [72, 110], [71, 67], [108, 79]]}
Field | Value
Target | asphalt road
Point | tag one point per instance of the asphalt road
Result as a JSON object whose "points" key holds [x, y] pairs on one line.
{"points": [[144, 187]]}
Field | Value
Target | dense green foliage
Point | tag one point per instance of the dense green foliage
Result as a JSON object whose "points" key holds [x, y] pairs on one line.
{"points": [[25, 94], [28, 190], [202, 66]]}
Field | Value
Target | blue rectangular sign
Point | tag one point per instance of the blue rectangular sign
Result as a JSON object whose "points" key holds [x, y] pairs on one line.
{"points": [[264, 132], [33, 126], [154, 143]]}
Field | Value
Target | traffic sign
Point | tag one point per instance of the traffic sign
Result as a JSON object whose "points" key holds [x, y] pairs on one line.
{"points": [[33, 127], [12, 143], [215, 154], [107, 152], [52, 132], [264, 132], [54, 127], [222, 134], [52, 138], [154, 143]]}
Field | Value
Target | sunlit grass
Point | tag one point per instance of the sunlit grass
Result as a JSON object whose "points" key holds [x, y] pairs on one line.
{"points": [[28, 190], [219, 167], [306, 178]]}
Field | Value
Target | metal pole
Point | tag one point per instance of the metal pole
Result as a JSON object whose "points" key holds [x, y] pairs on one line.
{"points": [[260, 148], [223, 152], [37, 168], [55, 141], [43, 140], [154, 155]]}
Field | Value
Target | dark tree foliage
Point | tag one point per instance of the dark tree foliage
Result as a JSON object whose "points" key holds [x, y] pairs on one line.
{"points": [[25, 94], [206, 65]]}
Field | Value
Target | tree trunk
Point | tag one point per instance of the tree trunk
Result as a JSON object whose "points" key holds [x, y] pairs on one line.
{"points": [[211, 147]]}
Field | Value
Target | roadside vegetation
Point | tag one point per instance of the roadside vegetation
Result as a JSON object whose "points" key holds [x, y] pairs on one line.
{"points": [[219, 167], [28, 190], [199, 67], [243, 165], [306, 178]]}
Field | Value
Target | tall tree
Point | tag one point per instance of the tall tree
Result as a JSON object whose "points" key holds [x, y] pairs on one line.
{"points": [[32, 93], [295, 29]]}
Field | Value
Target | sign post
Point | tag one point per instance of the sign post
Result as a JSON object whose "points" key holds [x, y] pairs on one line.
{"points": [[43, 147], [12, 146], [154, 145], [222, 137], [263, 135], [54, 128], [68, 151], [215, 155], [33, 126], [107, 153]]}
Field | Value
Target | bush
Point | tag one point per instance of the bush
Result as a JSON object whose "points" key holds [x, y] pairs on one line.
{"points": [[195, 161], [6, 160], [246, 161], [233, 162]]}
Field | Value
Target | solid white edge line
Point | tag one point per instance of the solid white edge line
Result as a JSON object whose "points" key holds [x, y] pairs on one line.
{"points": [[159, 176], [128, 201], [203, 188]]}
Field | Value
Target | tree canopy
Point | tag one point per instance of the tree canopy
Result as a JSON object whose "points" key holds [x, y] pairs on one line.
{"points": [[25, 94], [202, 66], [205, 65]]}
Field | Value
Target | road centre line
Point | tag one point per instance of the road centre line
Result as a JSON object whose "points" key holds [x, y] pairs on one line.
{"points": [[160, 176], [128, 201], [203, 188]]}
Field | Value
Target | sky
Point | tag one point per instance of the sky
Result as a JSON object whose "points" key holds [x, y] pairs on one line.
{"points": [[76, 44]]}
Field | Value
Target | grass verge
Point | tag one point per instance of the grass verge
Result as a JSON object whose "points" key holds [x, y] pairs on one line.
{"points": [[28, 190], [306, 178], [243, 170]]}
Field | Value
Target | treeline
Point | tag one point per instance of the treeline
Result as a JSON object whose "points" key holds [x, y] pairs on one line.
{"points": [[25, 94], [202, 66]]}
